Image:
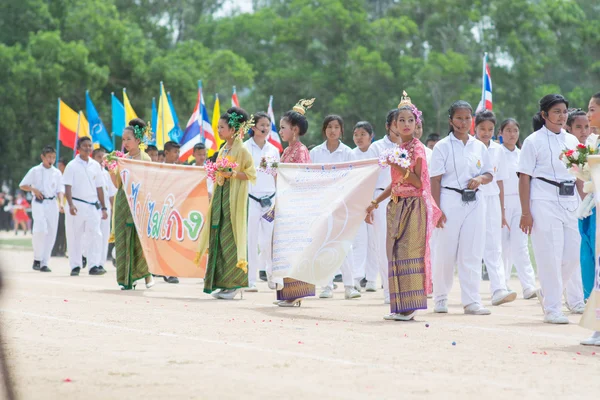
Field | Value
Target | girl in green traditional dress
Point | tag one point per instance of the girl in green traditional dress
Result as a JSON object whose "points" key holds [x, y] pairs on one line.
{"points": [[130, 260], [224, 233]]}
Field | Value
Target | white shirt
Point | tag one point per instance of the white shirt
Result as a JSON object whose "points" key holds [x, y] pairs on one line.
{"points": [[321, 155], [84, 177], [458, 163], [385, 176], [265, 183], [46, 180], [540, 158], [498, 162], [358, 154], [511, 185], [428, 153], [109, 188]]}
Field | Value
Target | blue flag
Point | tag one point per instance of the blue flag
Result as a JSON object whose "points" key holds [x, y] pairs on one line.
{"points": [[97, 130], [176, 133], [118, 115]]}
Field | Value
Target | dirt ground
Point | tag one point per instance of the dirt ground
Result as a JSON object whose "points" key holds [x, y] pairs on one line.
{"points": [[83, 338]]}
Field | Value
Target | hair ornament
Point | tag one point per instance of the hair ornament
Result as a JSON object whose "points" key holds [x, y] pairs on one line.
{"points": [[244, 127], [406, 102], [303, 105]]}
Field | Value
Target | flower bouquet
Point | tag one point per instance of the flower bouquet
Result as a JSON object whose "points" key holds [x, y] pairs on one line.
{"points": [[215, 170], [576, 161], [396, 155], [110, 160], [268, 165]]}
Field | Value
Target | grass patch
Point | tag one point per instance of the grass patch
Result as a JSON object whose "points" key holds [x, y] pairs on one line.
{"points": [[24, 243]]}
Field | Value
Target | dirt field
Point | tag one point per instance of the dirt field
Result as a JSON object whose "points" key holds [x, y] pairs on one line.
{"points": [[83, 338]]}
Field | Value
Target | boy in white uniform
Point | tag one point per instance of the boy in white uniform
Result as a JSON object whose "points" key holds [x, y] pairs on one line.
{"points": [[548, 202], [83, 182], [109, 193], [493, 193], [459, 166], [261, 198], [44, 181]]}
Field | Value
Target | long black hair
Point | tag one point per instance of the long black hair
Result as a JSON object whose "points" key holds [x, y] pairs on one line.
{"points": [[296, 119], [546, 103], [457, 105]]}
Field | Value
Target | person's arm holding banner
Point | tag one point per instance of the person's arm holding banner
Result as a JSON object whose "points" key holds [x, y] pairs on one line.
{"points": [[375, 204]]}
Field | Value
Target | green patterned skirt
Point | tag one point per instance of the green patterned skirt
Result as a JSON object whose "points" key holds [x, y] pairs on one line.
{"points": [[222, 271], [131, 263]]}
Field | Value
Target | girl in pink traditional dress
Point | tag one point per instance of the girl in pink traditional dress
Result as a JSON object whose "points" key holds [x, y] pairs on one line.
{"points": [[294, 124], [411, 217]]}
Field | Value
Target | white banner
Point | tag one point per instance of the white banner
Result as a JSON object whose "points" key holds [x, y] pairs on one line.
{"points": [[318, 212]]}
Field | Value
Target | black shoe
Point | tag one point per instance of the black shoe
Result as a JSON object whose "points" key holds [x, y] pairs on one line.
{"points": [[36, 265], [338, 278], [96, 271], [262, 275], [363, 282], [83, 262], [75, 271], [172, 279], [45, 269], [101, 268]]}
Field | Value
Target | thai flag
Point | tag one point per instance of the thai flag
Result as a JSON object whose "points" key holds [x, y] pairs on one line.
{"points": [[486, 87], [274, 138], [198, 129], [235, 102]]}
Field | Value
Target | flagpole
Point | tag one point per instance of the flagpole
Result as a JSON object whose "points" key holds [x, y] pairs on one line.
{"points": [[202, 137], [483, 80], [77, 133], [114, 143], [163, 116], [58, 134]]}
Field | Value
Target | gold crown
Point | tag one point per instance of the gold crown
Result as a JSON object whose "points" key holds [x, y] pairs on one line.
{"points": [[405, 101], [245, 127], [303, 105]]}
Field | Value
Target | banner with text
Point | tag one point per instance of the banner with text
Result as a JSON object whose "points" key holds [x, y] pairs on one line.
{"points": [[169, 204], [318, 211], [591, 316]]}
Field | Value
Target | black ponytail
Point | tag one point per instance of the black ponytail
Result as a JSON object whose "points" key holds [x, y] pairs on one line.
{"points": [[546, 103]]}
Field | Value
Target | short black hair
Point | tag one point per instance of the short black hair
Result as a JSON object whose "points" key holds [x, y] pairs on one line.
{"points": [[433, 136], [199, 146], [161, 153], [574, 113], [151, 147], [48, 150], [171, 145], [331, 118], [485, 115], [62, 161], [98, 150], [82, 139]]}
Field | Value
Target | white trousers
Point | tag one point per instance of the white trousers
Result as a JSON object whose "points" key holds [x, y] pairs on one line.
{"points": [[45, 226], [346, 269], [573, 289], [377, 261], [260, 240], [492, 253], [105, 230], [460, 243], [359, 251], [515, 249], [81, 228], [555, 238]]}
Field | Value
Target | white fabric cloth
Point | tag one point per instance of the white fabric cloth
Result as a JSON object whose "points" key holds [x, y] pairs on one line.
{"points": [[540, 158], [492, 253], [265, 183], [105, 231], [46, 180], [458, 163], [260, 241], [511, 183], [385, 177], [428, 154], [321, 155], [83, 177], [498, 163], [109, 189], [556, 241]]}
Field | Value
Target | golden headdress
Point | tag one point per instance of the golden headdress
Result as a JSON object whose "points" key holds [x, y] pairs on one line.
{"points": [[405, 101], [303, 105]]}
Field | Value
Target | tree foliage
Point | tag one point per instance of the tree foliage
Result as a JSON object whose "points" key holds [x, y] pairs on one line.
{"points": [[354, 56]]}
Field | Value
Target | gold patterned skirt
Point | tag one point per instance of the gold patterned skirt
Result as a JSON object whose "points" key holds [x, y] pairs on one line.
{"points": [[405, 246]]}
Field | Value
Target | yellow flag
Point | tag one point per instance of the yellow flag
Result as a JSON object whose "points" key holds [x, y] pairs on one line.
{"points": [[129, 112], [83, 127], [215, 125], [164, 122]]}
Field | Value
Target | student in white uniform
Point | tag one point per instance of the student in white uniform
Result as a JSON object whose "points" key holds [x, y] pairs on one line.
{"points": [[377, 231], [515, 248], [261, 198], [460, 165], [363, 137], [493, 193], [44, 181], [83, 182], [110, 191], [419, 135], [548, 202], [334, 151]]}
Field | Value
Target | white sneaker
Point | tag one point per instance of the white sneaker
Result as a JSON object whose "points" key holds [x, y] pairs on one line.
{"points": [[529, 294], [251, 288], [351, 293], [400, 317], [371, 286], [476, 309], [327, 293], [441, 307], [578, 309], [230, 294], [357, 285], [215, 294], [593, 340], [503, 296], [556, 318]]}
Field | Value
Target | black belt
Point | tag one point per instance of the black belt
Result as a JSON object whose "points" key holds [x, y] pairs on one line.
{"points": [[43, 198], [49, 198], [551, 182], [264, 201], [86, 202], [459, 191], [379, 189]]}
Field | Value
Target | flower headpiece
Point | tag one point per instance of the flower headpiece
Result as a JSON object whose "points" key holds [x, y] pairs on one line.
{"points": [[406, 102], [303, 105], [143, 134], [245, 127], [234, 120]]}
